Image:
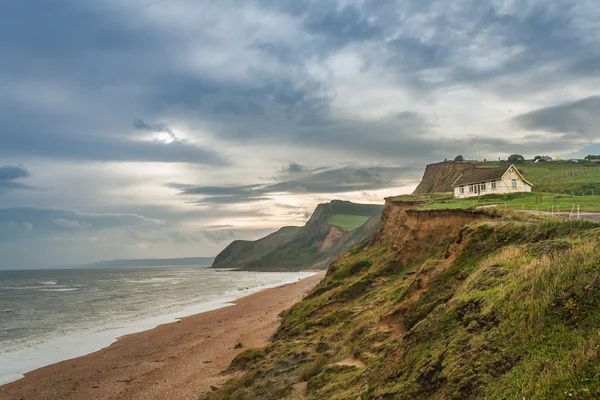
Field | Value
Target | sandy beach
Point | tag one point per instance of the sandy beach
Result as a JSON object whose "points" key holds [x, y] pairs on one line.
{"points": [[180, 360]]}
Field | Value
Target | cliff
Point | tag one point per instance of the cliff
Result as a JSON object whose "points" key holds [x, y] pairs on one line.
{"points": [[242, 252], [440, 176], [448, 304], [313, 246]]}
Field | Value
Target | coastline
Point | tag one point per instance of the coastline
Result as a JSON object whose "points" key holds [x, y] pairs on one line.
{"points": [[178, 360]]}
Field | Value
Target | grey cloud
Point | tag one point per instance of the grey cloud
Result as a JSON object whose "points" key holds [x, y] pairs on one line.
{"points": [[161, 128], [294, 168], [234, 199], [57, 220], [579, 118], [335, 180], [341, 25], [104, 148], [9, 174]]}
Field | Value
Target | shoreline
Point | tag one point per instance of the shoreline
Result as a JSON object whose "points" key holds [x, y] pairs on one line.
{"points": [[180, 359]]}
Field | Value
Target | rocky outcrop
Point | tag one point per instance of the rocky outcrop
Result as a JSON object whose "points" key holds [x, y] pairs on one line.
{"points": [[439, 177]]}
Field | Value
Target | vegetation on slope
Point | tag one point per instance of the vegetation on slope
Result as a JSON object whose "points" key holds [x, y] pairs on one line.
{"points": [[349, 216], [241, 252], [332, 229], [345, 222], [560, 176], [500, 309]]}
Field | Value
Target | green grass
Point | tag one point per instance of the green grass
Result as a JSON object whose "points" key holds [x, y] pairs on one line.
{"points": [[562, 177], [522, 201], [513, 314], [347, 222]]}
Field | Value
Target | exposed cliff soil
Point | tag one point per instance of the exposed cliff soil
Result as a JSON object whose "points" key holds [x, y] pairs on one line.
{"points": [[445, 304], [440, 176]]}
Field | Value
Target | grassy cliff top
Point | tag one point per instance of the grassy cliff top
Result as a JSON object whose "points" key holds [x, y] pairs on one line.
{"points": [[349, 216], [535, 201], [557, 185]]}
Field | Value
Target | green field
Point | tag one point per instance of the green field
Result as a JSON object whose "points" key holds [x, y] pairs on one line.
{"points": [[518, 201], [563, 177], [557, 186], [347, 222]]}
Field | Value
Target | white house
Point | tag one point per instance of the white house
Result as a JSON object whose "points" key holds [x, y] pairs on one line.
{"points": [[482, 181]]}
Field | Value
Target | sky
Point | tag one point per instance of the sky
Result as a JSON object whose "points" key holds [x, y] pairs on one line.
{"points": [[169, 128]]}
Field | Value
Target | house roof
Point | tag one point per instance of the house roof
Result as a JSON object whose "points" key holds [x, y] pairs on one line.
{"points": [[478, 175]]}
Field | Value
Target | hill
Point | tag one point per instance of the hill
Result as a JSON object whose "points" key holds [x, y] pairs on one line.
{"points": [[243, 252], [442, 304], [332, 229], [151, 262], [564, 177]]}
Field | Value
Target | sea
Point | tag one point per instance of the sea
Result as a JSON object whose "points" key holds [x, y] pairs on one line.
{"points": [[47, 316]]}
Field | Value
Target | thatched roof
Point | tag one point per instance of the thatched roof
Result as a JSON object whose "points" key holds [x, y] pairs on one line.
{"points": [[479, 175]]}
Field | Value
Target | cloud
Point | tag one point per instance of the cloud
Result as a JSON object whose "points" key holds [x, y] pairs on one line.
{"points": [[294, 168], [368, 91], [9, 174], [48, 220], [315, 181], [141, 125], [576, 119]]}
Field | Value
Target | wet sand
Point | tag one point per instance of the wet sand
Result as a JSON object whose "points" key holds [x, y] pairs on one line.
{"points": [[180, 360]]}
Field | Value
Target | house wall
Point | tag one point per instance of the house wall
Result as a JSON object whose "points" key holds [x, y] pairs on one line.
{"points": [[503, 186]]}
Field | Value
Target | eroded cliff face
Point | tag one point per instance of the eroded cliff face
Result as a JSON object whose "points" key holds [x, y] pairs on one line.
{"points": [[440, 176], [411, 232]]}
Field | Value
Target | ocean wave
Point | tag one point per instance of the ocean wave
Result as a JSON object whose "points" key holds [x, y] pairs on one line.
{"points": [[59, 290], [48, 283], [20, 287], [173, 281], [8, 310]]}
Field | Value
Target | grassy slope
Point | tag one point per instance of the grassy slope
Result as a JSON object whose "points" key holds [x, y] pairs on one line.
{"points": [[511, 312], [559, 177], [349, 216], [347, 223]]}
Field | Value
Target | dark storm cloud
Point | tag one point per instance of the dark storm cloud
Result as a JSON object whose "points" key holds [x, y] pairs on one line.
{"points": [[95, 47], [577, 119], [9, 174]]}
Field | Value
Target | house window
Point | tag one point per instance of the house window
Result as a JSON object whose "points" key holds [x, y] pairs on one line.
{"points": [[483, 187], [470, 188], [514, 183], [494, 185], [462, 190]]}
